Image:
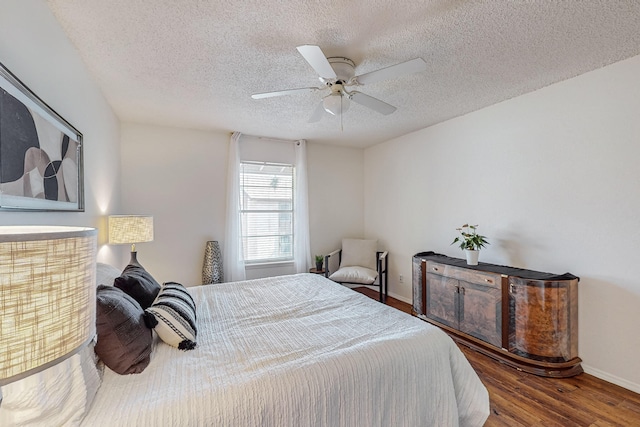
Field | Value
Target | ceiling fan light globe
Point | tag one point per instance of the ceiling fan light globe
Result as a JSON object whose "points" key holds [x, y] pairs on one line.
{"points": [[336, 104]]}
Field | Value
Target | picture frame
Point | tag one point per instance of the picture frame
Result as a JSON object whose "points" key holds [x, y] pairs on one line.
{"points": [[41, 154]]}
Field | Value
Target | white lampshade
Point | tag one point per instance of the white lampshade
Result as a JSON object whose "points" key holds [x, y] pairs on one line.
{"points": [[47, 296], [335, 103], [130, 229]]}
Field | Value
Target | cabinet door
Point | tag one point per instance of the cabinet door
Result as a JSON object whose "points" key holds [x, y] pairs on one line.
{"points": [[543, 322], [442, 299], [481, 312]]}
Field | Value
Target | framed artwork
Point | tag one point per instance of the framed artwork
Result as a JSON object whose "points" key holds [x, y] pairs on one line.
{"points": [[41, 165]]}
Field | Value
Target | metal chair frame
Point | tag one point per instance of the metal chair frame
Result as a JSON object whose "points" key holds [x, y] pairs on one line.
{"points": [[382, 263]]}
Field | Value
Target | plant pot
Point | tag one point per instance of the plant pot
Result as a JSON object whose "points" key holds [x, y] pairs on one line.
{"points": [[472, 256], [319, 266]]}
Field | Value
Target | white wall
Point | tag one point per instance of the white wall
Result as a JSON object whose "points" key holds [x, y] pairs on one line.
{"points": [[179, 177], [336, 195], [552, 178], [36, 50]]}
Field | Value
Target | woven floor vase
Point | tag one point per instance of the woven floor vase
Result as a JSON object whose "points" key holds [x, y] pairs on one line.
{"points": [[212, 266]]}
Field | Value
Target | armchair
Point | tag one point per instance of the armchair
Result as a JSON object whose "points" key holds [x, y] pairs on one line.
{"points": [[359, 263]]}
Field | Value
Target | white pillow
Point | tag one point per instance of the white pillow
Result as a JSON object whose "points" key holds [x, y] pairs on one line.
{"points": [[359, 253], [59, 395], [363, 275], [173, 316], [106, 274]]}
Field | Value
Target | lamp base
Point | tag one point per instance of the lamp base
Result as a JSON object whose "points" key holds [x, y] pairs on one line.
{"points": [[134, 259]]}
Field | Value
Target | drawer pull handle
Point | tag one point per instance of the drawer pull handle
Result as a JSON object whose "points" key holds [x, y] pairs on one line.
{"points": [[434, 268], [488, 280]]}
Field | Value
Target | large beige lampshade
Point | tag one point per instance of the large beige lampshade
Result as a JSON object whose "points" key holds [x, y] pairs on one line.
{"points": [[47, 296]]}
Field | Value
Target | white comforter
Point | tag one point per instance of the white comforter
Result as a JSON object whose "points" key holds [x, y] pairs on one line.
{"points": [[298, 351]]}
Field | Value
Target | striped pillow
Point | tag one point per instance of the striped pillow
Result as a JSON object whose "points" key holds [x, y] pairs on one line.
{"points": [[173, 316]]}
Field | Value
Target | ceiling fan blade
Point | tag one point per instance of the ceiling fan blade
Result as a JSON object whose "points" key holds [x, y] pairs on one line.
{"points": [[394, 71], [282, 92], [317, 113], [314, 56], [373, 103]]}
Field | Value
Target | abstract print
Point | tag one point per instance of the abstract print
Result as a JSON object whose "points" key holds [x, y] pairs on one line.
{"points": [[37, 159]]}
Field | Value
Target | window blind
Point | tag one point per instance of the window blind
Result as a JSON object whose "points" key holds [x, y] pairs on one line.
{"points": [[266, 211]]}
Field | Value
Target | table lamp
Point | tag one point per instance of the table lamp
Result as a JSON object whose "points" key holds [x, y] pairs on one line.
{"points": [[130, 229], [47, 297]]}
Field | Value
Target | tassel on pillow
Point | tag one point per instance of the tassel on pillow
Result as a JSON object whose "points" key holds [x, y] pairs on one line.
{"points": [[150, 320]]}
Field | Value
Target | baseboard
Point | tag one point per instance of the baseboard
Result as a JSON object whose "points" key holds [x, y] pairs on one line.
{"points": [[401, 298], [611, 378], [375, 288]]}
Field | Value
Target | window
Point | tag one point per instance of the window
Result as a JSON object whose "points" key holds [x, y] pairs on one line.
{"points": [[266, 211]]}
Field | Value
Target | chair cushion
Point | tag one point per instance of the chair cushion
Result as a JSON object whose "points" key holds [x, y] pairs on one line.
{"points": [[363, 275], [359, 253]]}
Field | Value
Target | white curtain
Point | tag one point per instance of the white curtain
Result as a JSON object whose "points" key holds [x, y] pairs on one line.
{"points": [[233, 255], [301, 245]]}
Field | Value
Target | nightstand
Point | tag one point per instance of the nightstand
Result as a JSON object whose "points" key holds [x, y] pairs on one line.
{"points": [[316, 271]]}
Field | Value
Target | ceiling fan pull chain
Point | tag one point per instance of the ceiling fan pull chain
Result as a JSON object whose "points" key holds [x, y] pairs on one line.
{"points": [[341, 115]]}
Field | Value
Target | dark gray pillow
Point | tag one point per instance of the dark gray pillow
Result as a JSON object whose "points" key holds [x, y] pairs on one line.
{"points": [[136, 282], [124, 341]]}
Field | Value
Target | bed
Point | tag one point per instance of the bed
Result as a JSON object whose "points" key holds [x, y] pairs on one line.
{"points": [[297, 350]]}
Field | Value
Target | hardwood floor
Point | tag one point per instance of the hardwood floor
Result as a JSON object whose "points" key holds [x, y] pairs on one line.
{"points": [[521, 399]]}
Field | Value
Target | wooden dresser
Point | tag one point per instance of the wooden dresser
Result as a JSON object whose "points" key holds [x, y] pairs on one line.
{"points": [[527, 319]]}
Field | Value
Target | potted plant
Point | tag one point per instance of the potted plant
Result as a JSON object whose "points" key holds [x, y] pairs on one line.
{"points": [[471, 242], [319, 261]]}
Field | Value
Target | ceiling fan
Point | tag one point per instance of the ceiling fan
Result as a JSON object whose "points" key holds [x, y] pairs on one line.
{"points": [[337, 74]]}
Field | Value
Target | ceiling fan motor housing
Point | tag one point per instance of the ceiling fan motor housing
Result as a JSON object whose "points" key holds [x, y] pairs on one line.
{"points": [[344, 67]]}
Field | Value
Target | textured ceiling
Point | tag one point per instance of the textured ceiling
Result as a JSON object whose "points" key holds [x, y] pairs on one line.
{"points": [[195, 63]]}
